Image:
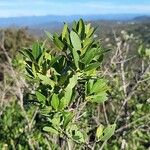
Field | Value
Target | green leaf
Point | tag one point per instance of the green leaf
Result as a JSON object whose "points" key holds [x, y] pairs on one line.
{"points": [[63, 103], [30, 73], [87, 28], [56, 121], [147, 52], [48, 56], [84, 49], [46, 110], [73, 131], [74, 25], [49, 35], [28, 54], [54, 60], [43, 44], [65, 31], [108, 132], [72, 81], [41, 98], [40, 61], [141, 50], [33, 70], [87, 41], [68, 92], [99, 86], [98, 98], [46, 80], [55, 101], [36, 50], [89, 85], [99, 131], [58, 42], [51, 130], [92, 66], [68, 118], [75, 40], [63, 79], [90, 33], [89, 55], [78, 137], [76, 58], [81, 28]]}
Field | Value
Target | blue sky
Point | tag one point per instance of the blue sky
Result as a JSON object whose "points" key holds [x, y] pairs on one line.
{"points": [[11, 8]]}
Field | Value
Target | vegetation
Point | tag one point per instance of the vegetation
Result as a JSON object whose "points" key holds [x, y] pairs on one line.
{"points": [[74, 94]]}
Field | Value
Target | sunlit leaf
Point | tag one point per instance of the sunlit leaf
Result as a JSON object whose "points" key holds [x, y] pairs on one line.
{"points": [[99, 86], [55, 101], [98, 98], [51, 130], [108, 132], [99, 131], [75, 40], [64, 32], [58, 42], [76, 58], [68, 91], [36, 50]]}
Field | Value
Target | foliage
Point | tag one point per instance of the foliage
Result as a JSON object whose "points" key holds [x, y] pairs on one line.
{"points": [[67, 78], [129, 84], [73, 99], [14, 40]]}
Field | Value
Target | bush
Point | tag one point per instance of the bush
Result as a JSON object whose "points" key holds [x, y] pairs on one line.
{"points": [[66, 81]]}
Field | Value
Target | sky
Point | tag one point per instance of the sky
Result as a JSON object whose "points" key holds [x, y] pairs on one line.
{"points": [[13, 8]]}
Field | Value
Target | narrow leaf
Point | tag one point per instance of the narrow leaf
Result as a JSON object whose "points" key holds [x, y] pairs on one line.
{"points": [[49, 35], [92, 66], [76, 58], [55, 101], [41, 98], [64, 32], [58, 42], [99, 131], [75, 40], [51, 130], [68, 92]]}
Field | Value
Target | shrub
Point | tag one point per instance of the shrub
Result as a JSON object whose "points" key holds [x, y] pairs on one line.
{"points": [[66, 82]]}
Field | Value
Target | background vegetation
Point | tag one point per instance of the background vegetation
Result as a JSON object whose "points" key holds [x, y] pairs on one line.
{"points": [[34, 113]]}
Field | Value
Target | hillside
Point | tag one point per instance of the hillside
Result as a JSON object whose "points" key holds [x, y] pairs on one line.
{"points": [[32, 21]]}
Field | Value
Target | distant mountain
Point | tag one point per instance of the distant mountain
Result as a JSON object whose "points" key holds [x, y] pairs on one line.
{"points": [[142, 19], [29, 21], [33, 21]]}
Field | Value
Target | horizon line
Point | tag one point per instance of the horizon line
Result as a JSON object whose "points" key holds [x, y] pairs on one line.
{"points": [[84, 15]]}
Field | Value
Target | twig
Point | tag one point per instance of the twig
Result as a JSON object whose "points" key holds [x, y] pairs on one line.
{"points": [[132, 123], [105, 114]]}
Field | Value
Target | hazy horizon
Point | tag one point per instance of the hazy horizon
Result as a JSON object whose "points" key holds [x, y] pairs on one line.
{"points": [[115, 14]]}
